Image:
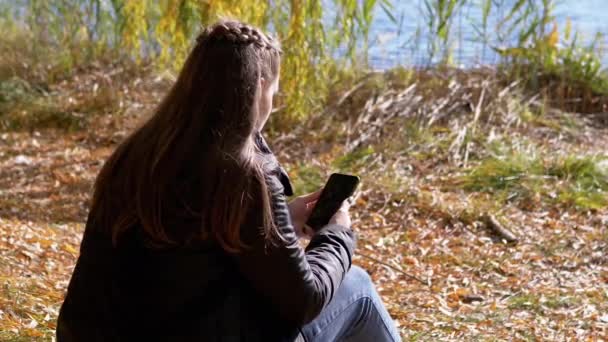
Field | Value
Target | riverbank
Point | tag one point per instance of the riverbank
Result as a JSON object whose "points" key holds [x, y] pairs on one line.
{"points": [[483, 212]]}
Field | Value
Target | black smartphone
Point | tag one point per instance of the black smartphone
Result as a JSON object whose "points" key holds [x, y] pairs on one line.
{"points": [[338, 188]]}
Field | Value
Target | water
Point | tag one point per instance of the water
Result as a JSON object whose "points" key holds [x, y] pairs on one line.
{"points": [[398, 44], [394, 44]]}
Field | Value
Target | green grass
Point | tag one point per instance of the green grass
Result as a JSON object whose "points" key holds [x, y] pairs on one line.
{"points": [[559, 121], [540, 304], [560, 302], [27, 106], [512, 173], [42, 111], [580, 182], [354, 160], [306, 178], [524, 302]]}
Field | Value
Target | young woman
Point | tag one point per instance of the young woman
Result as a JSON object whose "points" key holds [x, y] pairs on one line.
{"points": [[189, 236]]}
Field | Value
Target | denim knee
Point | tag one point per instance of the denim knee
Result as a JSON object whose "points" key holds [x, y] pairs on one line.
{"points": [[358, 280], [360, 274]]}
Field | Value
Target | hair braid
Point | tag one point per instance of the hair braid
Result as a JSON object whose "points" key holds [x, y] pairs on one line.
{"points": [[238, 33]]}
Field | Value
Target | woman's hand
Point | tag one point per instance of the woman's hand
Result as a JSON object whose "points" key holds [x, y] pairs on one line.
{"points": [[300, 209], [342, 216]]}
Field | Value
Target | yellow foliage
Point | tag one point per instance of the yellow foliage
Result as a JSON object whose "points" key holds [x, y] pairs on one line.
{"points": [[135, 25], [553, 37], [568, 30], [251, 11], [162, 31]]}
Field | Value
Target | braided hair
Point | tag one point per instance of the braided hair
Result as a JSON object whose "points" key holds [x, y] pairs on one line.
{"points": [[195, 160], [238, 36], [233, 32]]}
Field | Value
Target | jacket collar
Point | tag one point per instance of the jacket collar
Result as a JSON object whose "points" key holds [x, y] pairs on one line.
{"points": [[263, 147]]}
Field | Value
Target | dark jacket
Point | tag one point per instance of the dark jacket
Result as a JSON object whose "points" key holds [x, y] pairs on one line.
{"points": [[202, 293]]}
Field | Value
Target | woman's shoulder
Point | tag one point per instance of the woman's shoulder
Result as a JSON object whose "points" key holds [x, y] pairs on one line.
{"points": [[276, 176]]}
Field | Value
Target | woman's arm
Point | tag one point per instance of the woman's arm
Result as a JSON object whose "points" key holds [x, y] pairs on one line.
{"points": [[298, 284]]}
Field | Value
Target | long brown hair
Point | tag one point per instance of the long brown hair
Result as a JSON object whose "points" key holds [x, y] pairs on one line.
{"points": [[190, 171]]}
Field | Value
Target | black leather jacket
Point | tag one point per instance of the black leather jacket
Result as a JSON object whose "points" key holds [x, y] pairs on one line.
{"points": [[264, 293]]}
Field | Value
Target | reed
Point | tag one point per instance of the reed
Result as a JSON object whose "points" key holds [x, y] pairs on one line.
{"points": [[532, 48], [325, 43], [555, 64], [318, 40], [439, 16]]}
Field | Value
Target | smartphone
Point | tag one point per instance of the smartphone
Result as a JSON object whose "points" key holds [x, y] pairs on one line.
{"points": [[338, 188]]}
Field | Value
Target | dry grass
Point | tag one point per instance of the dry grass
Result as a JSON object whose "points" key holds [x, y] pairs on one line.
{"points": [[416, 138]]}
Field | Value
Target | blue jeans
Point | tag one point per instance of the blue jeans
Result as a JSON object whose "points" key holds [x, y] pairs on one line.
{"points": [[356, 313]]}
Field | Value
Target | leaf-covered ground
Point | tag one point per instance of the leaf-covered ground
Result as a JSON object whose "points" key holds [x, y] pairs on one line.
{"points": [[433, 168]]}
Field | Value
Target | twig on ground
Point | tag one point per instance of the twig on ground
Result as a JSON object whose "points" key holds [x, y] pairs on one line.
{"points": [[499, 229], [393, 268]]}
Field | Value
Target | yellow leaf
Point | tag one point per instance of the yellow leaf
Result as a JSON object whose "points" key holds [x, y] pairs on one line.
{"points": [[553, 37], [70, 249]]}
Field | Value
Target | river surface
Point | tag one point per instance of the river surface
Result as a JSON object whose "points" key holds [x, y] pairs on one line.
{"points": [[406, 41], [399, 44]]}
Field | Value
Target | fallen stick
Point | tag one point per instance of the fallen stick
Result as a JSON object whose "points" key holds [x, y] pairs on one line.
{"points": [[393, 268], [497, 228]]}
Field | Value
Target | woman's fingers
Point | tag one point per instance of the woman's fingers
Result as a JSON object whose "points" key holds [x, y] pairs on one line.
{"points": [[313, 196], [311, 205], [307, 231], [351, 200], [342, 217], [345, 205]]}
